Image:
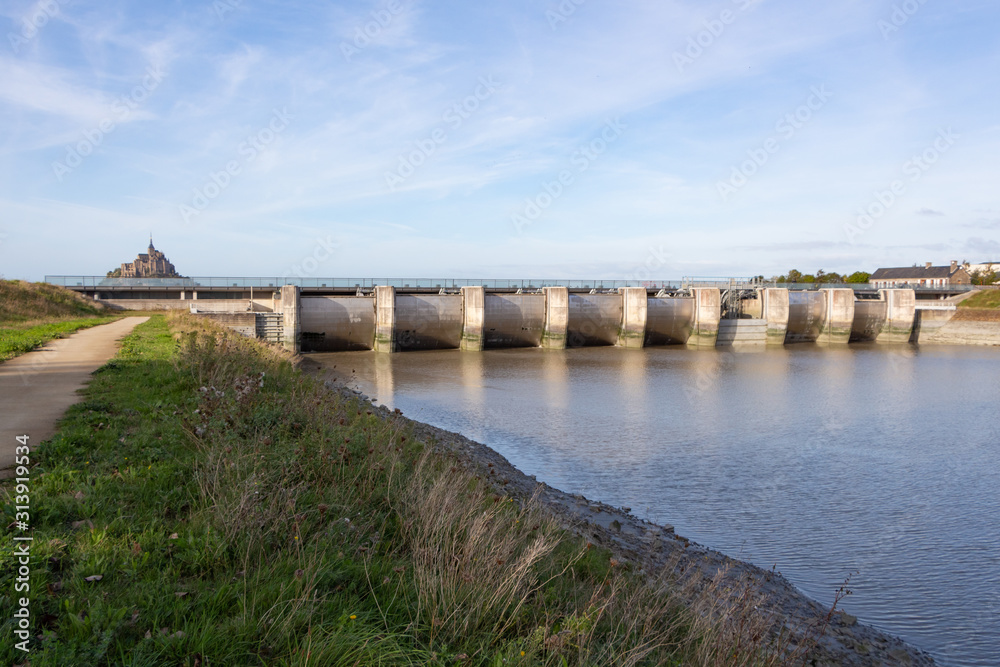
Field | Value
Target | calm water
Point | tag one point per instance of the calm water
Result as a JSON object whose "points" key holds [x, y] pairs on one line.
{"points": [[875, 460]]}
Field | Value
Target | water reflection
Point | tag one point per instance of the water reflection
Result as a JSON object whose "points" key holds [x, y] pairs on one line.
{"points": [[821, 460]]}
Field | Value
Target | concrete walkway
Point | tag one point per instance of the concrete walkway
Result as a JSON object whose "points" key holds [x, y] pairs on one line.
{"points": [[37, 388]]}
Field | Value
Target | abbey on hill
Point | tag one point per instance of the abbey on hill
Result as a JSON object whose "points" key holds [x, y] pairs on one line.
{"points": [[150, 264]]}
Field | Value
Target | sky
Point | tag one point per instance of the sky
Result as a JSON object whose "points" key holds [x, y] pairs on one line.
{"points": [[519, 139]]}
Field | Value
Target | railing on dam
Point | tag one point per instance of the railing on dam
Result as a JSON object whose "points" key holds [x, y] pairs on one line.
{"points": [[94, 282], [347, 283]]}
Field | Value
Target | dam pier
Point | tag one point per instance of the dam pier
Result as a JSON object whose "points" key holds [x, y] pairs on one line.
{"points": [[397, 316]]}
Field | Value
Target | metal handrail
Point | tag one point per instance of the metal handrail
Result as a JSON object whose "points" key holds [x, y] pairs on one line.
{"points": [[453, 283], [276, 282]]}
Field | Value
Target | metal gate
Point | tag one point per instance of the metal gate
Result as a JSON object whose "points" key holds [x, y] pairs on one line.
{"points": [[270, 327]]}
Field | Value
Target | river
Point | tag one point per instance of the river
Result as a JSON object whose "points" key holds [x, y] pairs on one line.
{"points": [[878, 462]]}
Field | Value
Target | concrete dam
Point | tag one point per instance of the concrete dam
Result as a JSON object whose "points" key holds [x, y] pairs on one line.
{"points": [[474, 318]]}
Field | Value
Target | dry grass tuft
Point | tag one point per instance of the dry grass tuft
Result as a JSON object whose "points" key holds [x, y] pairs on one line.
{"points": [[475, 555]]}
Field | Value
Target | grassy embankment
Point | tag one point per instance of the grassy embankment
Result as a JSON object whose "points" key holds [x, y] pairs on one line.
{"points": [[983, 306], [986, 299], [31, 314], [206, 504]]}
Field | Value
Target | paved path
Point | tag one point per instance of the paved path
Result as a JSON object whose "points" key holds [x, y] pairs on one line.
{"points": [[37, 388]]}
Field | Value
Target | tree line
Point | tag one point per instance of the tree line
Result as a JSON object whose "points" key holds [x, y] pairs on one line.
{"points": [[821, 276]]}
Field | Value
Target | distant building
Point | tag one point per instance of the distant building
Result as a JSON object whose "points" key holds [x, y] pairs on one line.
{"points": [[925, 276], [985, 267], [151, 264]]}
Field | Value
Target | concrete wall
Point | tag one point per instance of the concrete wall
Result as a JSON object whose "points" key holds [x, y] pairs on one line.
{"points": [[385, 319], [594, 319], [753, 308], [900, 315], [669, 320], [927, 323], [742, 332], [290, 311], [428, 321], [634, 314], [956, 327], [839, 319], [202, 305], [869, 320], [513, 320], [335, 323], [806, 311], [244, 323], [474, 317], [774, 312], [964, 332], [556, 317], [707, 313]]}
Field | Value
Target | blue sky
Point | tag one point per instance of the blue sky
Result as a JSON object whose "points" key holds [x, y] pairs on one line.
{"points": [[574, 139]]}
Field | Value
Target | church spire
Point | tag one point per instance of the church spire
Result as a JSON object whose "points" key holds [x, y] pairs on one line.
{"points": [[151, 248]]}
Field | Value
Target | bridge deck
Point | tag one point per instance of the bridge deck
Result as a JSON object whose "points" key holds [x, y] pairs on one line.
{"points": [[223, 287]]}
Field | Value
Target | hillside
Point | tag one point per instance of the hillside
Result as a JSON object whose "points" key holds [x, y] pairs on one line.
{"points": [[983, 299], [22, 301]]}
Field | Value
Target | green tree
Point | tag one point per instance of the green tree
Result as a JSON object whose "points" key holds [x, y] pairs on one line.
{"points": [[983, 277], [858, 277]]}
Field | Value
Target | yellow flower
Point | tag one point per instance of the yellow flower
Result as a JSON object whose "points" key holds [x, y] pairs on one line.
{"points": [[353, 616], [522, 654]]}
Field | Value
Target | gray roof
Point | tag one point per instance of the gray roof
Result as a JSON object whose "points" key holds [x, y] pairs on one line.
{"points": [[914, 273]]}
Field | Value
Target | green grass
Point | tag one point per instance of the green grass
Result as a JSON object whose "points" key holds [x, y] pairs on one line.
{"points": [[16, 340], [989, 298], [240, 514], [32, 314], [21, 301]]}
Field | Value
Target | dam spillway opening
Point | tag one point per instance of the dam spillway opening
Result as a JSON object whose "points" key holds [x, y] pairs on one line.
{"points": [[669, 320], [428, 321], [513, 320], [555, 317], [805, 316], [334, 324], [869, 319], [594, 320]]}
